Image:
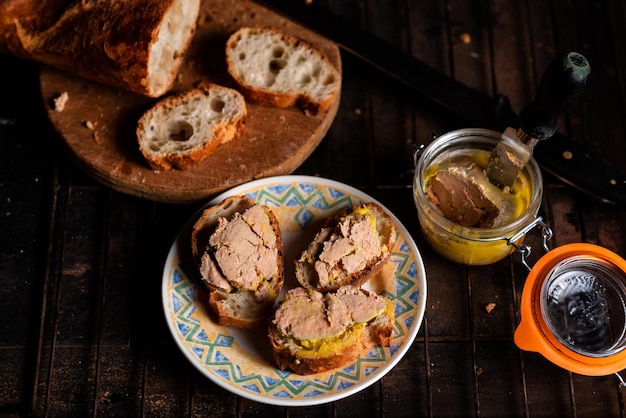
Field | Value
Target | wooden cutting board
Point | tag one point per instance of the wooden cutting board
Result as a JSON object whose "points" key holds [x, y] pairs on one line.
{"points": [[97, 125]]}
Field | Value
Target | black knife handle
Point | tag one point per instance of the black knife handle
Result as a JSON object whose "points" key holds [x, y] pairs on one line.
{"points": [[563, 81], [476, 108]]}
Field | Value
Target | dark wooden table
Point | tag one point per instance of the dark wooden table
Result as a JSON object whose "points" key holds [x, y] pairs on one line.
{"points": [[82, 330]]}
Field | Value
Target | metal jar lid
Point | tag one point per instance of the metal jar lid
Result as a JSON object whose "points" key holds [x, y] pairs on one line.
{"points": [[573, 310]]}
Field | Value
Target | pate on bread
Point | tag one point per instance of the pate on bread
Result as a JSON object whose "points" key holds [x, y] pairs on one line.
{"points": [[350, 249], [238, 249], [312, 332]]}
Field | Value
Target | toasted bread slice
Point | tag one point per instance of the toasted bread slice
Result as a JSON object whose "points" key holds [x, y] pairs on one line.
{"points": [[350, 249], [274, 68], [238, 249], [313, 332], [183, 129], [240, 309]]}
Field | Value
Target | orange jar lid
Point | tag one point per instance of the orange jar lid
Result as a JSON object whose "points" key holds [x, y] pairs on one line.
{"points": [[573, 309]]}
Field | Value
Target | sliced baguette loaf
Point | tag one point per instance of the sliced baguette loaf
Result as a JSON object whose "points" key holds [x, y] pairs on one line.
{"points": [[183, 129], [137, 45], [274, 68], [312, 332], [351, 248], [238, 249]]}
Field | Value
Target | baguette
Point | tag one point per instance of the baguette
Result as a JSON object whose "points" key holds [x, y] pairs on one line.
{"points": [[238, 249], [273, 68], [313, 332], [137, 45], [349, 249], [183, 129]]}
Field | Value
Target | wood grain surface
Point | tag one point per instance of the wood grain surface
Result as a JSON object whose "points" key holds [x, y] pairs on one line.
{"points": [[97, 125], [81, 314]]}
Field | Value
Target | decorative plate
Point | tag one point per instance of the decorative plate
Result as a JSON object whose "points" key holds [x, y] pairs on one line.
{"points": [[241, 361]]}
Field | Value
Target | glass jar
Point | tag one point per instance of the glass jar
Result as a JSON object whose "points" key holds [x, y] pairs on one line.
{"points": [[573, 310], [473, 245]]}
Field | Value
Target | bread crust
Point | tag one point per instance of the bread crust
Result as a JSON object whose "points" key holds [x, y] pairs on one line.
{"points": [[108, 41], [222, 302], [306, 274], [288, 359], [222, 305], [265, 93], [194, 107]]}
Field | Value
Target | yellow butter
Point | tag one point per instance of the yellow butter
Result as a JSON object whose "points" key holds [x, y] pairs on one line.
{"points": [[366, 212], [324, 347]]}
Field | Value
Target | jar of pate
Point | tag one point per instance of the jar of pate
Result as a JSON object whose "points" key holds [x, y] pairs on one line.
{"points": [[476, 245]]}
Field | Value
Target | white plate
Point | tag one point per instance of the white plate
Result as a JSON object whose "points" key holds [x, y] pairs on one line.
{"points": [[241, 361]]}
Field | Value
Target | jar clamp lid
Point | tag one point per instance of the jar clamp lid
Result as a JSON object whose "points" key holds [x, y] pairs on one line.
{"points": [[573, 310]]}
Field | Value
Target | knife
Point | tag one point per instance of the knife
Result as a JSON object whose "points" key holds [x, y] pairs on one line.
{"points": [[560, 156], [562, 82]]}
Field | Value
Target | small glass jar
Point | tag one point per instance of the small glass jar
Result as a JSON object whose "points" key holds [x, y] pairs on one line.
{"points": [[472, 245]]}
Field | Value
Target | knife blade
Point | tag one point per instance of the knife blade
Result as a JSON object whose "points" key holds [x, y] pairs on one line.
{"points": [[562, 157], [562, 82]]}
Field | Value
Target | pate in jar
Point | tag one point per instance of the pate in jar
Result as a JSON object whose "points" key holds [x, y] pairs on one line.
{"points": [[462, 215]]}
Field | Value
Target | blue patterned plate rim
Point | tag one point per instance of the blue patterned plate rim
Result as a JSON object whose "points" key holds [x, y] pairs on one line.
{"points": [[232, 358]]}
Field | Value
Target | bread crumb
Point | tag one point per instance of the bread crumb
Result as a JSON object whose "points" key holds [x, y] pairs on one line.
{"points": [[89, 125], [490, 307], [60, 101], [479, 371], [96, 137], [465, 38]]}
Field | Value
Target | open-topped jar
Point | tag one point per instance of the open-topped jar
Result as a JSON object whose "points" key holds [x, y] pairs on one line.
{"points": [[471, 242]]}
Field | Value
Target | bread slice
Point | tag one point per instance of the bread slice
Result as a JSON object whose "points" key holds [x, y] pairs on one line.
{"points": [[274, 68], [183, 129], [238, 249], [351, 248], [136, 45], [313, 332]]}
